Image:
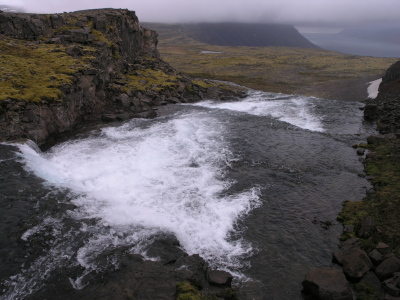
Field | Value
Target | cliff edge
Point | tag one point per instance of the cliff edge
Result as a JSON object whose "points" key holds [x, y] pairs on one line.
{"points": [[60, 72], [385, 109]]}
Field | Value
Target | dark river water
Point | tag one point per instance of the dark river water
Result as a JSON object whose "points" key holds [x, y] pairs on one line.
{"points": [[246, 184]]}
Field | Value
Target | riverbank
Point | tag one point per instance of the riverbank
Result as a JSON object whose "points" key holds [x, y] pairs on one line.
{"points": [[370, 244], [62, 72]]}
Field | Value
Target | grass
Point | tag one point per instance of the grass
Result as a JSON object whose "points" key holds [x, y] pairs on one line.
{"points": [[149, 79], [35, 72], [384, 204], [273, 69]]}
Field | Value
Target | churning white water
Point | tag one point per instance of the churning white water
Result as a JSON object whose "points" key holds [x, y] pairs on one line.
{"points": [[237, 182], [296, 110], [163, 176]]}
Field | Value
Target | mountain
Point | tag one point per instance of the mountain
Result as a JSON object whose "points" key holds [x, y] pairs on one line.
{"points": [[236, 34]]}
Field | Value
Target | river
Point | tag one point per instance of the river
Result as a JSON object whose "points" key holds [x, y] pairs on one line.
{"points": [[253, 186]]}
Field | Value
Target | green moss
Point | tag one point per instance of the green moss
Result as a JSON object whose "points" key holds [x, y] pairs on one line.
{"points": [[100, 37], [384, 204], [149, 79], [202, 83], [35, 73], [366, 292], [186, 291]]}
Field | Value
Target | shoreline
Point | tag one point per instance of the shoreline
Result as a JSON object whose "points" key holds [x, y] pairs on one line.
{"points": [[367, 260]]}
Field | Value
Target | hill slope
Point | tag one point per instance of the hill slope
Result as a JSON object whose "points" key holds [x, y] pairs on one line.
{"points": [[236, 34]]}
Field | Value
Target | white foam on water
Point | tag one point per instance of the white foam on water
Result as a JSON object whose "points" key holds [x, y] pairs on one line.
{"points": [[295, 110], [168, 177], [373, 88]]}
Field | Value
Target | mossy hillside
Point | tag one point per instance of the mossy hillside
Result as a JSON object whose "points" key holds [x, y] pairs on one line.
{"points": [[274, 69], [34, 72], [383, 204], [157, 80], [150, 79], [186, 291]]}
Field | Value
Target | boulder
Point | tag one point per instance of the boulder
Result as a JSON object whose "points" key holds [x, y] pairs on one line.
{"points": [[356, 263], [327, 284], [350, 244], [338, 257], [375, 256], [360, 151], [382, 248], [193, 269], [387, 268], [219, 278], [370, 112], [371, 279]]}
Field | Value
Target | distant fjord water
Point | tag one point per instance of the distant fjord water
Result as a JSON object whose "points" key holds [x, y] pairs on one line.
{"points": [[353, 45]]}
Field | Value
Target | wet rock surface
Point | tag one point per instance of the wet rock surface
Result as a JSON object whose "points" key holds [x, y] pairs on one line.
{"points": [[327, 284], [385, 109]]}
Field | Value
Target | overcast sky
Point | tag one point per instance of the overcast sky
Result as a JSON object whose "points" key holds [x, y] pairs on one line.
{"points": [[336, 13]]}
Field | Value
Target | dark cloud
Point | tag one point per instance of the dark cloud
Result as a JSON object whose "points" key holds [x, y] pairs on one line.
{"points": [[298, 12]]}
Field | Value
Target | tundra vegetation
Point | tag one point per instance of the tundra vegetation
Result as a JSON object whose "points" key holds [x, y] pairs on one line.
{"points": [[303, 71]]}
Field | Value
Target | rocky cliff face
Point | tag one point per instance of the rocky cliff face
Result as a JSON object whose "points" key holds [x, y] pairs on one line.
{"points": [[385, 109], [62, 71]]}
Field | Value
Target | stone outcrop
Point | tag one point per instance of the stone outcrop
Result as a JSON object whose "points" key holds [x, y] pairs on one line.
{"points": [[109, 69], [356, 263], [327, 284], [385, 109]]}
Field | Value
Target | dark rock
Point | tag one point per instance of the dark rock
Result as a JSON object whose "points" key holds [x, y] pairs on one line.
{"points": [[370, 112], [368, 227], [350, 244], [145, 280], [166, 249], [356, 263], [360, 151], [387, 268], [124, 116], [327, 284], [387, 113], [124, 99], [348, 228], [375, 139], [219, 278], [193, 269], [147, 114], [108, 118], [391, 288], [338, 257], [375, 256], [390, 297], [371, 279], [383, 248], [372, 156]]}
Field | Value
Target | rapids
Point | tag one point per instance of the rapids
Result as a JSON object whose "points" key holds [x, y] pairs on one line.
{"points": [[249, 185]]}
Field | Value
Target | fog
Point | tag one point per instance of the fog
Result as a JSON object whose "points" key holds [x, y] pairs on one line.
{"points": [[306, 13]]}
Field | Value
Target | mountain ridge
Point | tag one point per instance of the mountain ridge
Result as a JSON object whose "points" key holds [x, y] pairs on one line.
{"points": [[237, 34]]}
